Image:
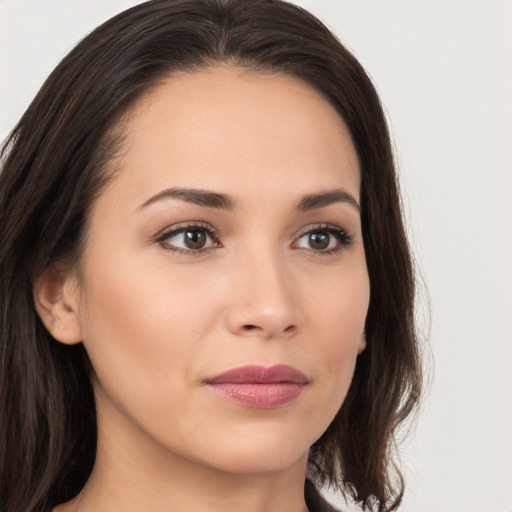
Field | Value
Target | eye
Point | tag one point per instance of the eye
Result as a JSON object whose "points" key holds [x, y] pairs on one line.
{"points": [[188, 239], [324, 239]]}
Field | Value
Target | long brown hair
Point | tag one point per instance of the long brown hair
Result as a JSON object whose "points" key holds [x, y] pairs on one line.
{"points": [[55, 163]]}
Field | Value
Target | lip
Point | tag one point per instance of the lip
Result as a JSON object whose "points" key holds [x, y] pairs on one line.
{"points": [[259, 386]]}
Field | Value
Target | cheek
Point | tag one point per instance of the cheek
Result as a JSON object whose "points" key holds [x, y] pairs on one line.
{"points": [[132, 325], [339, 308], [147, 327], [143, 343], [338, 314]]}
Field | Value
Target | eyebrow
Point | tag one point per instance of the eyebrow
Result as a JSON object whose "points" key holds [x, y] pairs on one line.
{"points": [[323, 199], [222, 201], [194, 196]]}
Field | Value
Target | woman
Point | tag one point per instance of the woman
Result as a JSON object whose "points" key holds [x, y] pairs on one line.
{"points": [[207, 293]]}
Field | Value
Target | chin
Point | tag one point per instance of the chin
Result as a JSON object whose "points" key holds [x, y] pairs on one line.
{"points": [[260, 461], [263, 450]]}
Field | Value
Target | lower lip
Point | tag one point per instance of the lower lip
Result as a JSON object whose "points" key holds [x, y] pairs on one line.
{"points": [[262, 396]]}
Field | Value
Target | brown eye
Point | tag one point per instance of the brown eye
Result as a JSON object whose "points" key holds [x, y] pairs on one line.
{"points": [[324, 240], [319, 240], [188, 239], [195, 238]]}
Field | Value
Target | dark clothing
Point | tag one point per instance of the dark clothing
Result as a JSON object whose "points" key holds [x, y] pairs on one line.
{"points": [[314, 500]]}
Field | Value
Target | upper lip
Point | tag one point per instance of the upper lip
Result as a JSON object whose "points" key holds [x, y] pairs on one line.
{"points": [[260, 375]]}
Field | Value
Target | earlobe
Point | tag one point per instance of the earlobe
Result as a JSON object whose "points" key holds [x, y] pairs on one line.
{"points": [[56, 301], [362, 344]]}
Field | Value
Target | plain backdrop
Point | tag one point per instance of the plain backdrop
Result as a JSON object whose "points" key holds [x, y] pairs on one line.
{"points": [[444, 72]]}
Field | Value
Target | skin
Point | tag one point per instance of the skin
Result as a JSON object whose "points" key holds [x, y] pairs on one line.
{"points": [[156, 322]]}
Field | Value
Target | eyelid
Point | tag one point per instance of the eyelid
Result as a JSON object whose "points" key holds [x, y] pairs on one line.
{"points": [[327, 226], [188, 224]]}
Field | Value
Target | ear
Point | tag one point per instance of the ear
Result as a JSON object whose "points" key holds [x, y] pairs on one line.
{"points": [[56, 300], [362, 343]]}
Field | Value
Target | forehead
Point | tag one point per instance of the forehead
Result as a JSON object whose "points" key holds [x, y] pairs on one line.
{"points": [[233, 130]]}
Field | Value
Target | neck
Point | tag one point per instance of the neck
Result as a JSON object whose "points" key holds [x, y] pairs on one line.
{"points": [[133, 473], [212, 493]]}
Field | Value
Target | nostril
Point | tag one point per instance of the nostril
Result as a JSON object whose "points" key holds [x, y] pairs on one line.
{"points": [[267, 330]]}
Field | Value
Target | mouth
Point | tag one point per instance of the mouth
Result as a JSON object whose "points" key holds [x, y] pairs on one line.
{"points": [[259, 386]]}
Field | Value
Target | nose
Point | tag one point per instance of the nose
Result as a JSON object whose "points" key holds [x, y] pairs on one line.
{"points": [[264, 300]]}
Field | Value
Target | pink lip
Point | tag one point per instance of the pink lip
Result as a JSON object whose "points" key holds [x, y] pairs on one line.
{"points": [[260, 387]]}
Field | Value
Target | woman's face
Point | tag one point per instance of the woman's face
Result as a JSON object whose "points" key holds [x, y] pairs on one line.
{"points": [[229, 238]]}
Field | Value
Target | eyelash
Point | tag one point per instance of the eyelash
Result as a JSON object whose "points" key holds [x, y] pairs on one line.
{"points": [[341, 235]]}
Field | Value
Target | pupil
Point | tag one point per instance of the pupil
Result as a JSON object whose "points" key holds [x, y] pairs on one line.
{"points": [[195, 239], [319, 240]]}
